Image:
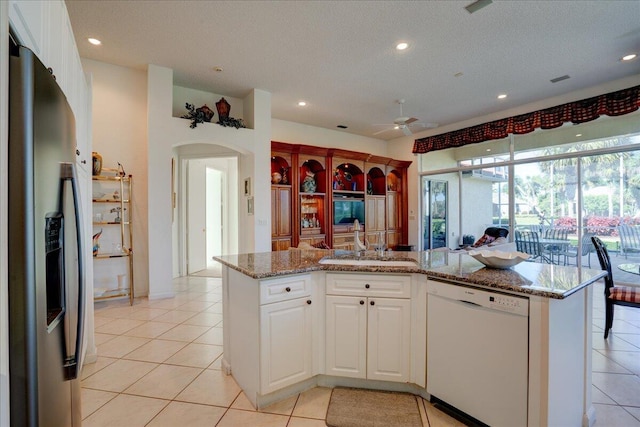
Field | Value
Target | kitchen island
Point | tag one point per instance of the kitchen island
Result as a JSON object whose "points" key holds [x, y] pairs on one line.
{"points": [[298, 319]]}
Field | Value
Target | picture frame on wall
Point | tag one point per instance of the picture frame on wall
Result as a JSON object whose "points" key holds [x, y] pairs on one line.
{"points": [[247, 187], [250, 205]]}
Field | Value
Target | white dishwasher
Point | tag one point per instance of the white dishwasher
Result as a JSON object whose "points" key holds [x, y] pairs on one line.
{"points": [[477, 352]]}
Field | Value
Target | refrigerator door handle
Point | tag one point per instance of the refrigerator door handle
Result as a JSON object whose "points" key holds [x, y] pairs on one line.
{"points": [[72, 362]]}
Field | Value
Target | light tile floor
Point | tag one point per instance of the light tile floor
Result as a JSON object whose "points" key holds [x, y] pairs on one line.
{"points": [[159, 365]]}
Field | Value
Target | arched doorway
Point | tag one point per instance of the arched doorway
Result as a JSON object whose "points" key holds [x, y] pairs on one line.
{"points": [[207, 207]]}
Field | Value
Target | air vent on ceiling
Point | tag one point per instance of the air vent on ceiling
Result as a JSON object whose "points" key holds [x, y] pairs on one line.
{"points": [[341, 126], [559, 79], [477, 5]]}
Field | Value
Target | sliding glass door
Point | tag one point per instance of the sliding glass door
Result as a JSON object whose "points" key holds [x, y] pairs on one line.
{"points": [[435, 200]]}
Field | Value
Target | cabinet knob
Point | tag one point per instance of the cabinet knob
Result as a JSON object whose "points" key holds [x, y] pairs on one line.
{"points": [[83, 162], [288, 289], [372, 303], [367, 286], [309, 301], [361, 302]]}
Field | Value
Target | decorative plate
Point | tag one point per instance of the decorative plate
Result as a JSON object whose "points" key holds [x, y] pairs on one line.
{"points": [[499, 259]]}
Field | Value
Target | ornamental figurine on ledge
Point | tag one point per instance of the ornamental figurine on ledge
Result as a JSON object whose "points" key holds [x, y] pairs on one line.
{"points": [[205, 114]]}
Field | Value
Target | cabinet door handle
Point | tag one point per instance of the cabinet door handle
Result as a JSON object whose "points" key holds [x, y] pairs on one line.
{"points": [[309, 301], [361, 302], [288, 289], [372, 303], [367, 286]]}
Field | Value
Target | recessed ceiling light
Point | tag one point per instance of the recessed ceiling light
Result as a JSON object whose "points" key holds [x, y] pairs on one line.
{"points": [[502, 96], [458, 74], [578, 134], [396, 127], [488, 149], [402, 46], [301, 104], [94, 42], [218, 69], [629, 57]]}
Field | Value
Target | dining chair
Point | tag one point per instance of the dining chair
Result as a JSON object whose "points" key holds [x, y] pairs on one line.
{"points": [[613, 295], [586, 247], [529, 242]]}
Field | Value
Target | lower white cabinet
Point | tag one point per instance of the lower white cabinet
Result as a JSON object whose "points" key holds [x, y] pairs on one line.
{"points": [[271, 332], [285, 343], [368, 337]]}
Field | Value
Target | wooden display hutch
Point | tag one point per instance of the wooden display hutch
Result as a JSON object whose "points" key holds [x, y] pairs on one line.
{"points": [[112, 219], [281, 201], [301, 213], [376, 203], [312, 193]]}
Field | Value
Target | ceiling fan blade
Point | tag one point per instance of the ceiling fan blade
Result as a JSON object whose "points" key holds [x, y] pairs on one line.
{"points": [[382, 131], [425, 125], [410, 120], [406, 130]]}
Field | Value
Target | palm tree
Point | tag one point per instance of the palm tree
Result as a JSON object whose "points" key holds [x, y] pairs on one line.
{"points": [[602, 166]]}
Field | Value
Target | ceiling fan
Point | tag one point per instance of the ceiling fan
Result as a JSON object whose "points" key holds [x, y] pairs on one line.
{"points": [[404, 122]]}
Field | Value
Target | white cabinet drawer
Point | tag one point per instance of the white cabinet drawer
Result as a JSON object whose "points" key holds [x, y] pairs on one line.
{"points": [[373, 285], [284, 289]]}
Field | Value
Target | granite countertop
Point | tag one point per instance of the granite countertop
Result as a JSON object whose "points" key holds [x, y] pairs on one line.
{"points": [[545, 280]]}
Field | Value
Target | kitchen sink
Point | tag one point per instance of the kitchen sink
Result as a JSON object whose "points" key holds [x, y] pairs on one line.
{"points": [[369, 262]]}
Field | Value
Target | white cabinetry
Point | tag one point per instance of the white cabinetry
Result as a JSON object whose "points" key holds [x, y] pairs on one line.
{"points": [[285, 343], [368, 335], [270, 336], [44, 27], [27, 19]]}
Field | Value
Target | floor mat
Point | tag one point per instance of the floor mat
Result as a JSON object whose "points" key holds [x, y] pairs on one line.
{"points": [[351, 407]]}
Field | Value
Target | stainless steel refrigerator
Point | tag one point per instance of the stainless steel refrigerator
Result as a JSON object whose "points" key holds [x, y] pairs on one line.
{"points": [[46, 279]]}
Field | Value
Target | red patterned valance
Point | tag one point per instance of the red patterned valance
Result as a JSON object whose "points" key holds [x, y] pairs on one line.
{"points": [[612, 104]]}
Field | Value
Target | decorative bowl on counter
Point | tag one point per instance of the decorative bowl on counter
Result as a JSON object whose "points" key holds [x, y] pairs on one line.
{"points": [[499, 259]]}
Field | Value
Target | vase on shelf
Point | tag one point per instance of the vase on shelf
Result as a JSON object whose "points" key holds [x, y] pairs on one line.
{"points": [[97, 163], [309, 183], [207, 113], [223, 108]]}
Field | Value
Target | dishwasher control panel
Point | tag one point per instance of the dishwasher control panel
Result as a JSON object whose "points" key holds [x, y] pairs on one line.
{"points": [[506, 302], [487, 299]]}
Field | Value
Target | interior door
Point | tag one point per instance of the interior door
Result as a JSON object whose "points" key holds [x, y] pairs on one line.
{"points": [[196, 216]]}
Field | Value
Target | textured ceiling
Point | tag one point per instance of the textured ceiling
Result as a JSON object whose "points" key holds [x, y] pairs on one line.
{"points": [[340, 56]]}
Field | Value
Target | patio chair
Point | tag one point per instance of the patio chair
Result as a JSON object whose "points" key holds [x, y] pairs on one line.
{"points": [[529, 242], [629, 239], [613, 295], [587, 248], [555, 250]]}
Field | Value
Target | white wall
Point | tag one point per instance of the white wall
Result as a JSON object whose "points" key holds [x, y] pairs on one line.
{"points": [[166, 132], [296, 133], [120, 135]]}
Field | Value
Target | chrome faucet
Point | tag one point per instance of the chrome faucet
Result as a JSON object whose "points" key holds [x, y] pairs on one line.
{"points": [[381, 245], [358, 246]]}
